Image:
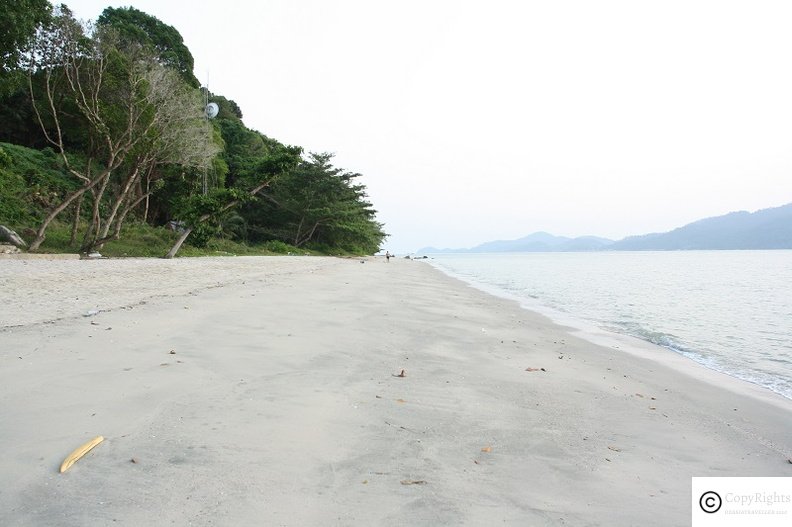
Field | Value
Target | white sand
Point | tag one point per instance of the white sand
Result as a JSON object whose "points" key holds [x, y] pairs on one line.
{"points": [[44, 289], [280, 405]]}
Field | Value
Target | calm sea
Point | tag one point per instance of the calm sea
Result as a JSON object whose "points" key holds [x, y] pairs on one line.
{"points": [[728, 310]]}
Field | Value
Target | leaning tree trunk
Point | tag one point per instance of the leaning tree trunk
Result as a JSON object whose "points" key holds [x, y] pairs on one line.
{"points": [[101, 238], [187, 232], [119, 223], [178, 244], [76, 222], [93, 232], [148, 197], [307, 237], [40, 234]]}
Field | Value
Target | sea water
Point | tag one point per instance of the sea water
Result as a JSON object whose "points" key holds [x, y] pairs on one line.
{"points": [[728, 310]]}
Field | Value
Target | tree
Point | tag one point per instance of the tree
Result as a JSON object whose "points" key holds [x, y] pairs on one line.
{"points": [[137, 113], [321, 205], [134, 26], [18, 22], [179, 136], [199, 211]]}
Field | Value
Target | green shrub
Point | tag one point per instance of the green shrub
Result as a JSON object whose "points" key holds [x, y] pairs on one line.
{"points": [[14, 209], [279, 247], [31, 182]]}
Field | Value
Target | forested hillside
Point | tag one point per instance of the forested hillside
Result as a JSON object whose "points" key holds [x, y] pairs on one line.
{"points": [[106, 134]]}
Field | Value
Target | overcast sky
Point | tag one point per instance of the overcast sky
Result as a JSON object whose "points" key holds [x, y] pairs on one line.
{"points": [[475, 121]]}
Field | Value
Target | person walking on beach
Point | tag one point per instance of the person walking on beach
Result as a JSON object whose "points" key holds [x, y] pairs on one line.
{"points": [[387, 256]]}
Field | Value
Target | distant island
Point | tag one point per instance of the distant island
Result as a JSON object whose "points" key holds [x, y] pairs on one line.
{"points": [[764, 229]]}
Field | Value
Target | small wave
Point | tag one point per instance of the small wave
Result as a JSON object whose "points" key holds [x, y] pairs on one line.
{"points": [[780, 361], [665, 340], [773, 383], [779, 385]]}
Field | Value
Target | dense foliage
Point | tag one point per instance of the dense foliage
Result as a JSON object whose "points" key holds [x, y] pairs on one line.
{"points": [[317, 205], [109, 129], [18, 22], [136, 27]]}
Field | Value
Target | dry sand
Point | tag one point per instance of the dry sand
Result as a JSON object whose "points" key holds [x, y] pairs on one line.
{"points": [[281, 406]]}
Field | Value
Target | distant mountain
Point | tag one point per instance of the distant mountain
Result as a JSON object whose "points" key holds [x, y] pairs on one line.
{"points": [[536, 242], [763, 229], [539, 241], [586, 243]]}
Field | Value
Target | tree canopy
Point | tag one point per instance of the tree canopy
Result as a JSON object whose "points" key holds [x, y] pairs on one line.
{"points": [[118, 114], [19, 20], [321, 205], [136, 26]]}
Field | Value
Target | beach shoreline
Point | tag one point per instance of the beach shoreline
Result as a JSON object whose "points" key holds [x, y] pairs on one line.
{"points": [[649, 342], [282, 402], [622, 342]]}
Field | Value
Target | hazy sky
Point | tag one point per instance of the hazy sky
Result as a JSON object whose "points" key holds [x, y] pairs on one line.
{"points": [[474, 121]]}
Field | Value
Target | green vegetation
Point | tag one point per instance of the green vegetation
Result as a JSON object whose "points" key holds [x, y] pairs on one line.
{"points": [[136, 27], [18, 22], [31, 181], [141, 239], [106, 145]]}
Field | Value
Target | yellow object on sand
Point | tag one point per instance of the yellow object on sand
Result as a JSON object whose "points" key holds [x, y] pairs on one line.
{"points": [[79, 452]]}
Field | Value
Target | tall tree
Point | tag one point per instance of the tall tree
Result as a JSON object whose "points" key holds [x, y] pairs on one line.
{"points": [[322, 205], [18, 22], [165, 41], [137, 112], [202, 212]]}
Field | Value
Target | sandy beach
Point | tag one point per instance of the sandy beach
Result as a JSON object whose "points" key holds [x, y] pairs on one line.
{"points": [[268, 391]]}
